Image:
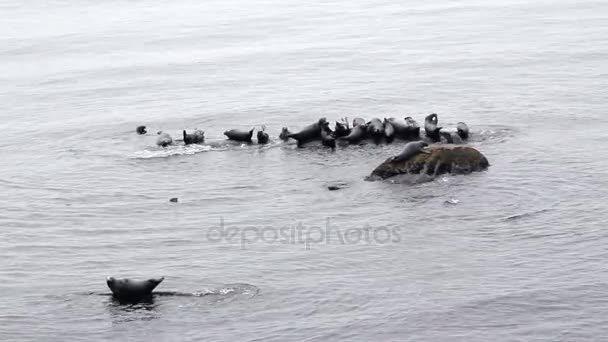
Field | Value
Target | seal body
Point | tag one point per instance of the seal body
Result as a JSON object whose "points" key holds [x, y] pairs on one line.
{"points": [[411, 149], [341, 129], [239, 135], [198, 137], [327, 139], [358, 122], [263, 137], [405, 130], [357, 134], [141, 130], [431, 129], [389, 131], [310, 133], [375, 130], [132, 290], [462, 130], [285, 133], [164, 139]]}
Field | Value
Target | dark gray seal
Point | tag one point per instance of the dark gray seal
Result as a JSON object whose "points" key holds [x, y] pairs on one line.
{"points": [[310, 133], [263, 137], [342, 129], [411, 149], [405, 130], [198, 137], [327, 138], [375, 130], [431, 129], [463, 130], [239, 135], [132, 290], [389, 131], [164, 139], [285, 133], [141, 130]]}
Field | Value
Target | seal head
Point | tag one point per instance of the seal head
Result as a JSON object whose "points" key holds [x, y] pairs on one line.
{"points": [[164, 139], [431, 129], [463, 130], [141, 130], [263, 137]]}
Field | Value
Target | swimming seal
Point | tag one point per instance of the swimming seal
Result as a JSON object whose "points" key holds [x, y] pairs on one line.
{"points": [[132, 290], [310, 133], [164, 139], [375, 130], [463, 130], [327, 139], [341, 129], [239, 135], [431, 129], [263, 136], [285, 133], [411, 149], [198, 137], [141, 130], [389, 131]]}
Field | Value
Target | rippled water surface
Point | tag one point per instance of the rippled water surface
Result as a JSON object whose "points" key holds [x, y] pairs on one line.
{"points": [[264, 251]]}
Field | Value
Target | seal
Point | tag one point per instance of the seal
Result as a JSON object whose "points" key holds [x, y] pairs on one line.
{"points": [[375, 130], [132, 290], [198, 137], [413, 127], [285, 133], [342, 129], [463, 130], [357, 134], [311, 132], [358, 122], [452, 138], [141, 130], [327, 138], [431, 129], [389, 131], [263, 136], [408, 130], [239, 135], [411, 149], [164, 139]]}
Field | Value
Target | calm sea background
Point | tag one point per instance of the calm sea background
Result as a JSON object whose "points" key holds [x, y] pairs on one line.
{"points": [[521, 255]]}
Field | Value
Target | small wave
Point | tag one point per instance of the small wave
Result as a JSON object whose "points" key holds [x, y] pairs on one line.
{"points": [[525, 215], [177, 150]]}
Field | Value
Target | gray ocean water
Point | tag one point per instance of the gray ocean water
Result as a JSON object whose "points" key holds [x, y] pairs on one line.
{"points": [[265, 251]]}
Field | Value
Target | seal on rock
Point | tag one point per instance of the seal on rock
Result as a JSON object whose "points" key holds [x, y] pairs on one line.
{"points": [[263, 136], [389, 131], [198, 137], [358, 133], [431, 129], [164, 139], [141, 130], [375, 130], [310, 133], [463, 130], [411, 149], [341, 129], [132, 290], [239, 135], [358, 122], [408, 130], [327, 139]]}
